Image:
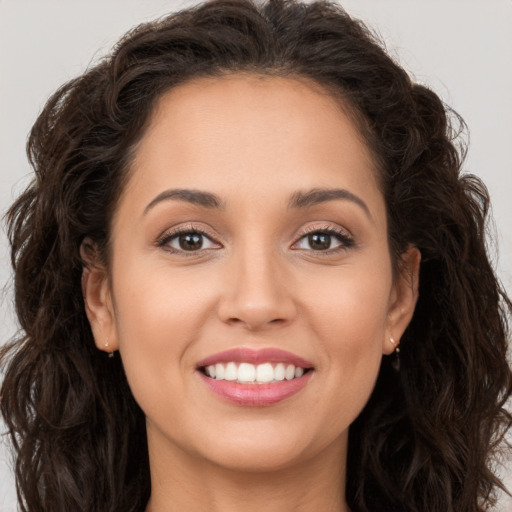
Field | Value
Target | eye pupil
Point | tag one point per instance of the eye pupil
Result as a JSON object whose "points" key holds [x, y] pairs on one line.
{"points": [[190, 241], [319, 241]]}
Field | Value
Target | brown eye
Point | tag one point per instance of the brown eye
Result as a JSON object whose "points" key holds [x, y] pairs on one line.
{"points": [[190, 241], [319, 241], [325, 240]]}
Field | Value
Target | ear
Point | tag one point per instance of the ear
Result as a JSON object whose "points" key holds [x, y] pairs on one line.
{"points": [[403, 298], [98, 298]]}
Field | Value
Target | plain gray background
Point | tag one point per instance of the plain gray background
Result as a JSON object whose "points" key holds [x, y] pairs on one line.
{"points": [[460, 48]]}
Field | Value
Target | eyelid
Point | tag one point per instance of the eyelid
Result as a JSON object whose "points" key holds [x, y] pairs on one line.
{"points": [[343, 235], [163, 240]]}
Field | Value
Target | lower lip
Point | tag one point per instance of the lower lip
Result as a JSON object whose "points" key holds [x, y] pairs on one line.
{"points": [[256, 395]]}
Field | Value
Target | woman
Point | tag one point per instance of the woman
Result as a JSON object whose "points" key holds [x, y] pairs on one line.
{"points": [[237, 220]]}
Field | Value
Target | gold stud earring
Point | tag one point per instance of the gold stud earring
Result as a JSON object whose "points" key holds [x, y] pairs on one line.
{"points": [[111, 353], [395, 363]]}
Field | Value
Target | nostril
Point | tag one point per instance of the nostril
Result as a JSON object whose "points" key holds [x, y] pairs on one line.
{"points": [[256, 314], [234, 320]]}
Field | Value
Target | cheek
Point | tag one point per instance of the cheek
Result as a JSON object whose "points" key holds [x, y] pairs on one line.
{"points": [[350, 306], [350, 320], [156, 304], [157, 320]]}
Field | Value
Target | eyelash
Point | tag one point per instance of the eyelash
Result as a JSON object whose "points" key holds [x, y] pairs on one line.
{"points": [[164, 241], [345, 240]]}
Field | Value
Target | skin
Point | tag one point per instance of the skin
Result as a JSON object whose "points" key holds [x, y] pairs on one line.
{"points": [[256, 282]]}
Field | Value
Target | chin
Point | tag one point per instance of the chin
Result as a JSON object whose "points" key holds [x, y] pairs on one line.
{"points": [[257, 459], [264, 449]]}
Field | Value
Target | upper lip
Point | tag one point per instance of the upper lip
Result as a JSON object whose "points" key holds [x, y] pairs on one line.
{"points": [[255, 356]]}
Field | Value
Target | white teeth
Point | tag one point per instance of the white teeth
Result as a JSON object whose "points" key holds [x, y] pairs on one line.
{"points": [[279, 372], [264, 373], [247, 373], [219, 371], [231, 372]]}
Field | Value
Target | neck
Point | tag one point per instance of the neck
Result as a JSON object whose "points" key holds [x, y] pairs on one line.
{"points": [[179, 483]]}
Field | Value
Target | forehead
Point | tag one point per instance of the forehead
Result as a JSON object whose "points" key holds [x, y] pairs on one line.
{"points": [[266, 102], [258, 132]]}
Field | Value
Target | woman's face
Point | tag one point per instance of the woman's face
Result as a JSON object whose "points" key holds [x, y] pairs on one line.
{"points": [[250, 237]]}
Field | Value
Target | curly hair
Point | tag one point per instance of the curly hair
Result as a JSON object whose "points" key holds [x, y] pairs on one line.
{"points": [[430, 435]]}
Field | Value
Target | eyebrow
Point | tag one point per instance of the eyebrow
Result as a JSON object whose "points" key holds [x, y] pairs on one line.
{"points": [[298, 200], [322, 195], [205, 199]]}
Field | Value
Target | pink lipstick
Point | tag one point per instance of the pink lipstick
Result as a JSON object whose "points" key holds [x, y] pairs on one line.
{"points": [[249, 377]]}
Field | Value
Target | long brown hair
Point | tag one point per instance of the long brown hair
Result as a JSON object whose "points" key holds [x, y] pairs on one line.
{"points": [[427, 438]]}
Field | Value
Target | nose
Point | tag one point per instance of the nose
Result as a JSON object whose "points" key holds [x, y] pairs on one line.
{"points": [[258, 292]]}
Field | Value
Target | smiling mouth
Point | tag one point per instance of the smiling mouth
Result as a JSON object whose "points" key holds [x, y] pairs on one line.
{"points": [[250, 377], [248, 373]]}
